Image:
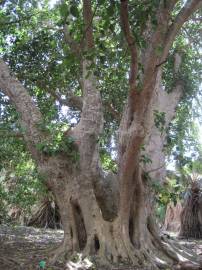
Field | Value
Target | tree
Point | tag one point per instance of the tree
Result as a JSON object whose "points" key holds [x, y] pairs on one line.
{"points": [[108, 215], [191, 212]]}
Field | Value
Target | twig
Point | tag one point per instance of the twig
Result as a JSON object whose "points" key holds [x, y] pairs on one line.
{"points": [[156, 169], [163, 62]]}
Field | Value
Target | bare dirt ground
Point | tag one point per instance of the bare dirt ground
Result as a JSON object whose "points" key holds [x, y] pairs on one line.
{"points": [[22, 248]]}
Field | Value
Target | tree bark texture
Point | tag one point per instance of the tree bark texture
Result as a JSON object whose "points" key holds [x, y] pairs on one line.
{"points": [[163, 102], [191, 215]]}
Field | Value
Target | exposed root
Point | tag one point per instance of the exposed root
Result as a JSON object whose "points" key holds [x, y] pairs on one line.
{"points": [[154, 255], [62, 252]]}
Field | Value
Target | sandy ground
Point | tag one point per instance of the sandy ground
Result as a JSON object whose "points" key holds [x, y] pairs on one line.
{"points": [[22, 248]]}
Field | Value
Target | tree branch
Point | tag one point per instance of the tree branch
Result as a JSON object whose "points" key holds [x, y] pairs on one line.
{"points": [[88, 18], [30, 115], [130, 40], [156, 139], [87, 34], [189, 8], [156, 169], [89, 127], [155, 43]]}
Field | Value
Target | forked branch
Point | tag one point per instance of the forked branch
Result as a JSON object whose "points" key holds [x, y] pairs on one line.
{"points": [[189, 8]]}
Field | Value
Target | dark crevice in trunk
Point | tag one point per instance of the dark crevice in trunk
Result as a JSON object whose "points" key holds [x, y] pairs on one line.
{"points": [[131, 229], [80, 226], [96, 243]]}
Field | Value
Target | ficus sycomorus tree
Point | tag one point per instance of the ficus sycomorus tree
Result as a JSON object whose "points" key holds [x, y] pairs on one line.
{"points": [[104, 60]]}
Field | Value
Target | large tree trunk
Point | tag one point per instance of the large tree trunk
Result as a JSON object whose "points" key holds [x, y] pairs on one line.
{"points": [[166, 103], [87, 230]]}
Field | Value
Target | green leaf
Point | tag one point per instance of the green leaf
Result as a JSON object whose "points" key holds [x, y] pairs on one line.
{"points": [[64, 11], [110, 10], [101, 2]]}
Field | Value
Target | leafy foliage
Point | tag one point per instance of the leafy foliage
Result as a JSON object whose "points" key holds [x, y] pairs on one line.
{"points": [[159, 120], [58, 142], [20, 189]]}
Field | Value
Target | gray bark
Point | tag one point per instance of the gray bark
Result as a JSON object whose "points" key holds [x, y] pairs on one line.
{"points": [[163, 102]]}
